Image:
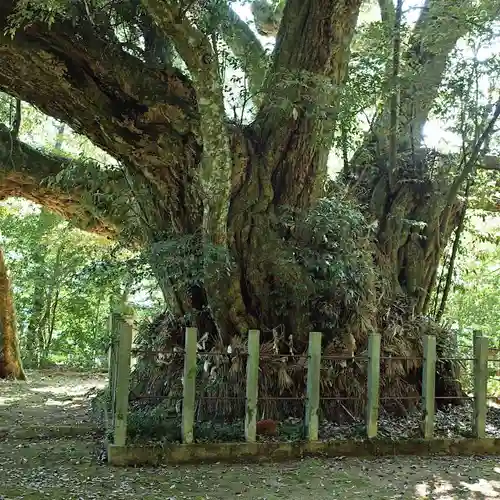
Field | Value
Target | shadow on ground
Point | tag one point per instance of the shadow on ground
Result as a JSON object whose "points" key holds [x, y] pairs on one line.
{"points": [[69, 470]]}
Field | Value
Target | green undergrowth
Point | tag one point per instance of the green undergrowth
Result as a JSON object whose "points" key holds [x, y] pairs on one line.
{"points": [[154, 425], [157, 423]]}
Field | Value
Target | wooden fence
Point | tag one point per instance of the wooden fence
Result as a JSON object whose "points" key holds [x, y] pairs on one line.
{"points": [[119, 376]]}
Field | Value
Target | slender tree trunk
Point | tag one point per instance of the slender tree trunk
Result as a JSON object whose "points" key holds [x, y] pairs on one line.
{"points": [[10, 358], [52, 297], [59, 137], [33, 347], [453, 257], [52, 324]]}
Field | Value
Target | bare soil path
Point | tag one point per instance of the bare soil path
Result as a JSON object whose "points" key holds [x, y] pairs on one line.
{"points": [[48, 398], [69, 469]]}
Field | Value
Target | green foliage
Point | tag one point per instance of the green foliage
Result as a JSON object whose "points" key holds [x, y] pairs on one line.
{"points": [[158, 424], [475, 302], [183, 259], [366, 84], [154, 423], [63, 280], [32, 10], [327, 242], [331, 242]]}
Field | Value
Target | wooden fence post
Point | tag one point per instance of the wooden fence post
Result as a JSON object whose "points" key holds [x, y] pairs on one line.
{"points": [[480, 384], [123, 320], [429, 386], [252, 385], [113, 359], [189, 389], [313, 386], [133, 358], [373, 385]]}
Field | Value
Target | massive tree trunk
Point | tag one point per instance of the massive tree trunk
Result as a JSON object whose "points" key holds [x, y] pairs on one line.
{"points": [[239, 230], [413, 220], [10, 358], [279, 161], [409, 202]]}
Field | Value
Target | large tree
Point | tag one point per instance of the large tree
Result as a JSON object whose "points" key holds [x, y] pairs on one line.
{"points": [[272, 243]]}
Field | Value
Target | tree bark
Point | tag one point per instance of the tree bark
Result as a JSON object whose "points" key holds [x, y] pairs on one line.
{"points": [[10, 357], [297, 118], [33, 347], [144, 117], [408, 192], [64, 186]]}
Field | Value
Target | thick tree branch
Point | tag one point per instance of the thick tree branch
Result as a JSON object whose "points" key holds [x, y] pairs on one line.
{"points": [[145, 117], [215, 179], [29, 173], [297, 117], [198, 54]]}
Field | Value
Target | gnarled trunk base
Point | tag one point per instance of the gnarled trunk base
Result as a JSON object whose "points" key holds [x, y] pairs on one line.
{"points": [[317, 271]]}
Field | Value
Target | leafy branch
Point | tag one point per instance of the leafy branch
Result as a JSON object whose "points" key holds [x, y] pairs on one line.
{"points": [[197, 52]]}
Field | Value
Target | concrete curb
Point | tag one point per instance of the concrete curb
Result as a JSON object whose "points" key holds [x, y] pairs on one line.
{"points": [[251, 452]]}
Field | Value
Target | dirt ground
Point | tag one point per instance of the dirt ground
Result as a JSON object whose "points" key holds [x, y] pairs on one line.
{"points": [[49, 398], [70, 469]]}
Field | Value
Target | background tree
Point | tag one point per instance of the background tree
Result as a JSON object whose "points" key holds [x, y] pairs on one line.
{"points": [[10, 359], [63, 282], [239, 227]]}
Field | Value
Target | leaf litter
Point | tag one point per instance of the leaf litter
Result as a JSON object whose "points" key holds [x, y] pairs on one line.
{"points": [[70, 469]]}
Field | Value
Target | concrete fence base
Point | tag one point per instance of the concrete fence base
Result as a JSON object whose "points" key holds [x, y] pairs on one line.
{"points": [[271, 451]]}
